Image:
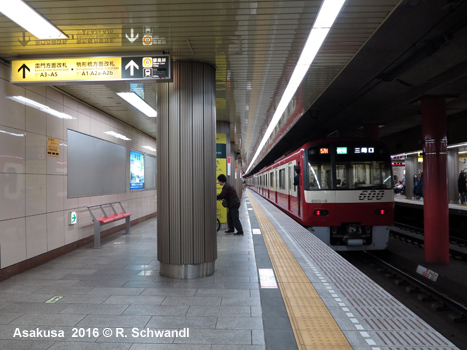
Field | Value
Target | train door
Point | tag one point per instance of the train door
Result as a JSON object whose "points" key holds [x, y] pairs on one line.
{"points": [[298, 187], [287, 185], [276, 184]]}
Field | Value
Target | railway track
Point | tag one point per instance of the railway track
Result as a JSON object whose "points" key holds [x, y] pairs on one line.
{"points": [[442, 312], [415, 235], [439, 301]]}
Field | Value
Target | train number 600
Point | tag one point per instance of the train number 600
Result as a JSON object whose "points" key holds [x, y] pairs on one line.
{"points": [[370, 195]]}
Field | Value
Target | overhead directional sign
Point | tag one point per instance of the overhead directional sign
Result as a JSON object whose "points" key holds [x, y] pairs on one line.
{"points": [[85, 69]]}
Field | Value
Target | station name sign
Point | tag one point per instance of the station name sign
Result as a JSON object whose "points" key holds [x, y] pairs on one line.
{"points": [[86, 69]]}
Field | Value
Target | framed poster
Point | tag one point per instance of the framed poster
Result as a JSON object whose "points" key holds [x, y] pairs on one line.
{"points": [[136, 170]]}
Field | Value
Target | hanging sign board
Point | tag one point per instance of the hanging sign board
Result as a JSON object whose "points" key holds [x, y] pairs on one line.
{"points": [[57, 70]]}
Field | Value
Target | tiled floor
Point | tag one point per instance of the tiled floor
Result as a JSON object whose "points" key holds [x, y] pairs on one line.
{"points": [[113, 297]]}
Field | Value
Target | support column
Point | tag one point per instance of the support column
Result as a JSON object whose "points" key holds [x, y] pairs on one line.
{"points": [[436, 209], [186, 168]]}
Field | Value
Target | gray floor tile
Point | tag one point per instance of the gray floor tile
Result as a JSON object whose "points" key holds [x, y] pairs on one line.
{"points": [[170, 291], [219, 311], [114, 321], [25, 344], [153, 310], [89, 346], [115, 291], [93, 309], [47, 320], [208, 301], [178, 322], [119, 287], [225, 322], [214, 336], [135, 300]]}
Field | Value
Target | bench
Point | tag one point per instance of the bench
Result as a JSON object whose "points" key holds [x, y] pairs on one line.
{"points": [[102, 220]]}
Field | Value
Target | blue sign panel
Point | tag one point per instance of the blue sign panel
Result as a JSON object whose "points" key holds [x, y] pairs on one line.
{"points": [[136, 170]]}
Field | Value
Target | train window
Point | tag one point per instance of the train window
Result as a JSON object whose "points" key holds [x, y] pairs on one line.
{"points": [[363, 174], [282, 179], [319, 176], [319, 168], [271, 180]]}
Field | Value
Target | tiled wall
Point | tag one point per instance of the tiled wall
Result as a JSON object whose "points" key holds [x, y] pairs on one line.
{"points": [[33, 186]]}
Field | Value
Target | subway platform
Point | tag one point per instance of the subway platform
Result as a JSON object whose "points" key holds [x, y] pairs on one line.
{"points": [[307, 297]]}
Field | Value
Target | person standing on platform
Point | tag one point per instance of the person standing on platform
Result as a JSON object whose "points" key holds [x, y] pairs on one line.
{"points": [[233, 204], [462, 187]]}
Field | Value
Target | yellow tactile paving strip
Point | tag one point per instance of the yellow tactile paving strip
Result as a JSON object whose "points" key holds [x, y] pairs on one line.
{"points": [[313, 326]]}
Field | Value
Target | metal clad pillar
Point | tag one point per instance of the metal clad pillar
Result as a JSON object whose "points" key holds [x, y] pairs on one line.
{"points": [[436, 209], [186, 135]]}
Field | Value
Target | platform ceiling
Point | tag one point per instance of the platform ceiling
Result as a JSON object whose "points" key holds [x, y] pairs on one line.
{"points": [[379, 58]]}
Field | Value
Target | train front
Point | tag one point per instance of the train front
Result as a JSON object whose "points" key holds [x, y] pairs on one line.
{"points": [[348, 194]]}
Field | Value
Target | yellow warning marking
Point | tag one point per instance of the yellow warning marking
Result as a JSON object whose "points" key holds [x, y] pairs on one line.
{"points": [[313, 325]]}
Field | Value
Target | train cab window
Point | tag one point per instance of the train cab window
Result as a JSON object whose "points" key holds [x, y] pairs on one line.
{"points": [[319, 176], [364, 168], [319, 168], [371, 174]]}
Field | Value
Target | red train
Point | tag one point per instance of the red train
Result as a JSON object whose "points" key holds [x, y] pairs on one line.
{"points": [[340, 189]]}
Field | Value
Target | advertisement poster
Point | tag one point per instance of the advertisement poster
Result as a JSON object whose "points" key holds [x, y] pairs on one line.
{"points": [[221, 167], [136, 170]]}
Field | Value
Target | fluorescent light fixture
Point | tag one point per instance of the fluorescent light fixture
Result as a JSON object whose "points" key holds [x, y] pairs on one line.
{"points": [[10, 133], [117, 135], [326, 17], [458, 145], [26, 17], [412, 153], [138, 103], [41, 107], [150, 148]]}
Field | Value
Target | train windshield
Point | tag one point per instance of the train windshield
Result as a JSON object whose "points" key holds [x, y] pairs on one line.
{"points": [[347, 167]]}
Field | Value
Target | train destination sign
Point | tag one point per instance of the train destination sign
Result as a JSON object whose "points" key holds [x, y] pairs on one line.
{"points": [[56, 70]]}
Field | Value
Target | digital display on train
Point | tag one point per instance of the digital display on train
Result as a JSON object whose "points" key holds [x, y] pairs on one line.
{"points": [[324, 151], [364, 150], [136, 170], [341, 150]]}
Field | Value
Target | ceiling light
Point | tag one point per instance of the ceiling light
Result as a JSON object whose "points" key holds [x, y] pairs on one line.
{"points": [[138, 103], [150, 148], [41, 107], [118, 136], [326, 17], [29, 19]]}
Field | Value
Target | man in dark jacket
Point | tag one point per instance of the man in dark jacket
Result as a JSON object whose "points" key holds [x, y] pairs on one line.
{"points": [[233, 203]]}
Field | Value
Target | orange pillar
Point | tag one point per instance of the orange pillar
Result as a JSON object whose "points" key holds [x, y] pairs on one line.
{"points": [[435, 186]]}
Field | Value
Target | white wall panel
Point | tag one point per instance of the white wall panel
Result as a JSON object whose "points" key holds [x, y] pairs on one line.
{"points": [[33, 186]]}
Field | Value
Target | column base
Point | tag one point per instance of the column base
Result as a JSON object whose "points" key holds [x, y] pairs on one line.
{"points": [[185, 272]]}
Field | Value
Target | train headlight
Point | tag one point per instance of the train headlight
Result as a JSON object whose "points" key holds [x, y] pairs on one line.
{"points": [[381, 211], [319, 212]]}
